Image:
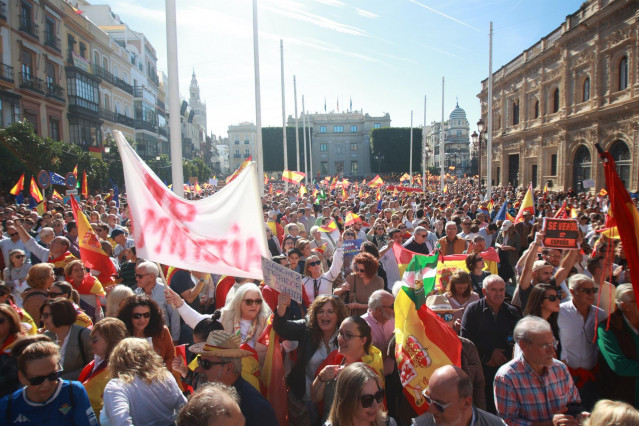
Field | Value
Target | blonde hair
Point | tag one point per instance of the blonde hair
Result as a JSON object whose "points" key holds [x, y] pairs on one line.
{"points": [[134, 357], [115, 297], [234, 308], [612, 413], [38, 275]]}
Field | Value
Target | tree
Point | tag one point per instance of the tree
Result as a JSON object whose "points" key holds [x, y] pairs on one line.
{"points": [[273, 149], [394, 144]]}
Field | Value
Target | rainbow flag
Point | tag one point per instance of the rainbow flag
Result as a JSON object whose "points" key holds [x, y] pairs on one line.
{"points": [[528, 204], [292, 177], [18, 187], [239, 169]]}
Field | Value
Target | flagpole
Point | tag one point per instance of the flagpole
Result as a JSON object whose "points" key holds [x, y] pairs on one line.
{"points": [[424, 149], [304, 134], [177, 173], [489, 140], [258, 104], [284, 114], [310, 150], [441, 141], [410, 166], [297, 134]]}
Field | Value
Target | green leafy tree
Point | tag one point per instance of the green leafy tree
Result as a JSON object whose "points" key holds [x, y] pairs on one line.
{"points": [[393, 143], [273, 148]]}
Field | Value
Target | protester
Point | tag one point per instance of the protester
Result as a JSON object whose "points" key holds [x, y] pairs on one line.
{"points": [[64, 289], [92, 295], [10, 332], [214, 404], [16, 271], [460, 294], [476, 264], [360, 284], [40, 278], [316, 283], [115, 299]]}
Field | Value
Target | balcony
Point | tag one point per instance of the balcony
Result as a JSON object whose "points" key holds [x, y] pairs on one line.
{"points": [[55, 91], [138, 91], [127, 121], [107, 115], [29, 27], [3, 10], [27, 81], [78, 105], [162, 131], [124, 85], [160, 105], [154, 79], [52, 41], [6, 73], [103, 74], [145, 125]]}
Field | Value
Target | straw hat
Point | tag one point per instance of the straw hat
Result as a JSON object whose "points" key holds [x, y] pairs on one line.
{"points": [[439, 303], [220, 344]]}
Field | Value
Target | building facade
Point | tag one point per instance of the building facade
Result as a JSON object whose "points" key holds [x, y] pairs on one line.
{"points": [[575, 88], [456, 143], [242, 143]]}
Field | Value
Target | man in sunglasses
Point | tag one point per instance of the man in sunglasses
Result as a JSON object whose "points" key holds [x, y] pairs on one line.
{"points": [[450, 401], [220, 360], [11, 243]]}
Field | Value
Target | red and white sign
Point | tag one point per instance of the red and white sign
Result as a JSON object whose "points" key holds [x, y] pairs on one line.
{"points": [[222, 234]]}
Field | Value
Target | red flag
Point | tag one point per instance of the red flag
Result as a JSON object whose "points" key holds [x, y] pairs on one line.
{"points": [[528, 204], [35, 191], [18, 187], [273, 375], [85, 185], [561, 213], [626, 216], [239, 169]]}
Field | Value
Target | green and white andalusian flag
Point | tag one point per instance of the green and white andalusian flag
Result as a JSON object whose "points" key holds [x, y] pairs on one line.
{"points": [[418, 273]]}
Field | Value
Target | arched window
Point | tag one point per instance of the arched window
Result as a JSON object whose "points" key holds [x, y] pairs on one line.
{"points": [[516, 112], [623, 73], [621, 154], [555, 100], [582, 165], [536, 108], [586, 89], [96, 59]]}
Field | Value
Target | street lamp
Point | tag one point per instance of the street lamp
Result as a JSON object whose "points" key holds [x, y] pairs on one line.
{"points": [[379, 158], [478, 141]]}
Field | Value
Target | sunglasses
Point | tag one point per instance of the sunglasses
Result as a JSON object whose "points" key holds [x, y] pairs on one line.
{"points": [[440, 407], [363, 271], [446, 317], [141, 275], [55, 294], [208, 364], [249, 302], [317, 262], [142, 315], [367, 400], [19, 256], [552, 298], [13, 235], [593, 290], [38, 380]]}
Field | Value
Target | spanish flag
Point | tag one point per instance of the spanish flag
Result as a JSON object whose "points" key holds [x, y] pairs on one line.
{"points": [[18, 187], [41, 208], [378, 195], [528, 204], [292, 177], [445, 191], [56, 195], [35, 191], [344, 194], [302, 191], [91, 251], [603, 192], [239, 170], [351, 219], [75, 171], [85, 185], [404, 177], [198, 189], [376, 182], [273, 374], [625, 215], [456, 262]]}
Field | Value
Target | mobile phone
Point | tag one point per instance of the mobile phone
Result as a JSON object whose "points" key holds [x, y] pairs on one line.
{"points": [[574, 409]]}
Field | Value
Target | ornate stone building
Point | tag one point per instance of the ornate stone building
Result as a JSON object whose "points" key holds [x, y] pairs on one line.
{"points": [[576, 87]]}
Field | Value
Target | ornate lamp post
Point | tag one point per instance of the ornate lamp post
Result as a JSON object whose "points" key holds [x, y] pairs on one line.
{"points": [[477, 141]]}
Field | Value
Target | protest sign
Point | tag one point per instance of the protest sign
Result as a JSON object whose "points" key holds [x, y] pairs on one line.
{"points": [[282, 279], [352, 246], [560, 233]]}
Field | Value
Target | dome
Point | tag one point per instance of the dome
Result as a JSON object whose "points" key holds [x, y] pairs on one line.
{"points": [[457, 114]]}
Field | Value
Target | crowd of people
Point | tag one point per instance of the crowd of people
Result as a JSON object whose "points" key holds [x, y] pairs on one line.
{"points": [[550, 338]]}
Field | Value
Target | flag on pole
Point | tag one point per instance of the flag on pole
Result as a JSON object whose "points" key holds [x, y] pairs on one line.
{"points": [[239, 170], [18, 187], [445, 191], [273, 375], [351, 106], [35, 191], [302, 191], [561, 213], [331, 229], [344, 194], [603, 192], [198, 189], [528, 204], [75, 171], [337, 104], [270, 188], [41, 208], [91, 251], [85, 185], [292, 176], [56, 195], [56, 179], [404, 177], [324, 103], [351, 219]]}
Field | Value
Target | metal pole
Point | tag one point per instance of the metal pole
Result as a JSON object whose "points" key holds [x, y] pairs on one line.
{"points": [[177, 173], [310, 149], [489, 143], [284, 115], [297, 134], [424, 149], [304, 139], [410, 167], [258, 103], [441, 141]]}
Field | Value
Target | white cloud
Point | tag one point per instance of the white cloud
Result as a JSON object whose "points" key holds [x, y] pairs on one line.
{"points": [[444, 15], [366, 13], [335, 3], [320, 21]]}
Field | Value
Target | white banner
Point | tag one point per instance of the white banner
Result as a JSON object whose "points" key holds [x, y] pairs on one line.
{"points": [[222, 234]]}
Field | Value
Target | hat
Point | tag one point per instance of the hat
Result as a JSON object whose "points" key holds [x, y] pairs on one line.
{"points": [[541, 264], [220, 344], [116, 232], [439, 303], [506, 225]]}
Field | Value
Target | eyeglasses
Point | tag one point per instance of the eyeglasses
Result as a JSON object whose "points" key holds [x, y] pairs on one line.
{"points": [[349, 235], [55, 294], [440, 407], [317, 262], [593, 290], [140, 276], [380, 229], [13, 235], [19, 256], [367, 400], [363, 271], [389, 307], [137, 316], [346, 336], [446, 317], [205, 364], [402, 227], [420, 235], [249, 302], [552, 298], [45, 315], [52, 377]]}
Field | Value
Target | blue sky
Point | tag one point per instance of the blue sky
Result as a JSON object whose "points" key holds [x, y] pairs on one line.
{"points": [[385, 55]]}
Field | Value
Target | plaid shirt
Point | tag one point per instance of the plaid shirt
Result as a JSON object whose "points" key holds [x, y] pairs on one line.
{"points": [[522, 397]]}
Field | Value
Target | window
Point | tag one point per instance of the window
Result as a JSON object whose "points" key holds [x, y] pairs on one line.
{"points": [[54, 128], [323, 130], [247, 153], [83, 91], [536, 109], [623, 73], [237, 142], [516, 112], [459, 132], [354, 168], [27, 64], [586, 89], [376, 125], [49, 31], [83, 50], [50, 72], [555, 100], [553, 165], [237, 153], [354, 146], [621, 154], [323, 147], [324, 168], [96, 58], [353, 128], [338, 129], [246, 141]]}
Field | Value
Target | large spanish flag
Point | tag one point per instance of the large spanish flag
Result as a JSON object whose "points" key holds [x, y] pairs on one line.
{"points": [[454, 262], [91, 251], [376, 182], [625, 215], [239, 169], [292, 177], [273, 374], [18, 187], [528, 204]]}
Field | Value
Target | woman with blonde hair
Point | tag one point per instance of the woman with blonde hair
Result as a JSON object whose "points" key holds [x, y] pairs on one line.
{"points": [[115, 299], [16, 271], [460, 294], [141, 391], [614, 413], [359, 398], [39, 278]]}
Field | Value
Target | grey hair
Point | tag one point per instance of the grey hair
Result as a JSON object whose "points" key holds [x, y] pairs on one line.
{"points": [[450, 223], [235, 362], [530, 324], [150, 268], [490, 279], [47, 230], [419, 229], [375, 299], [623, 290], [577, 279], [314, 229]]}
